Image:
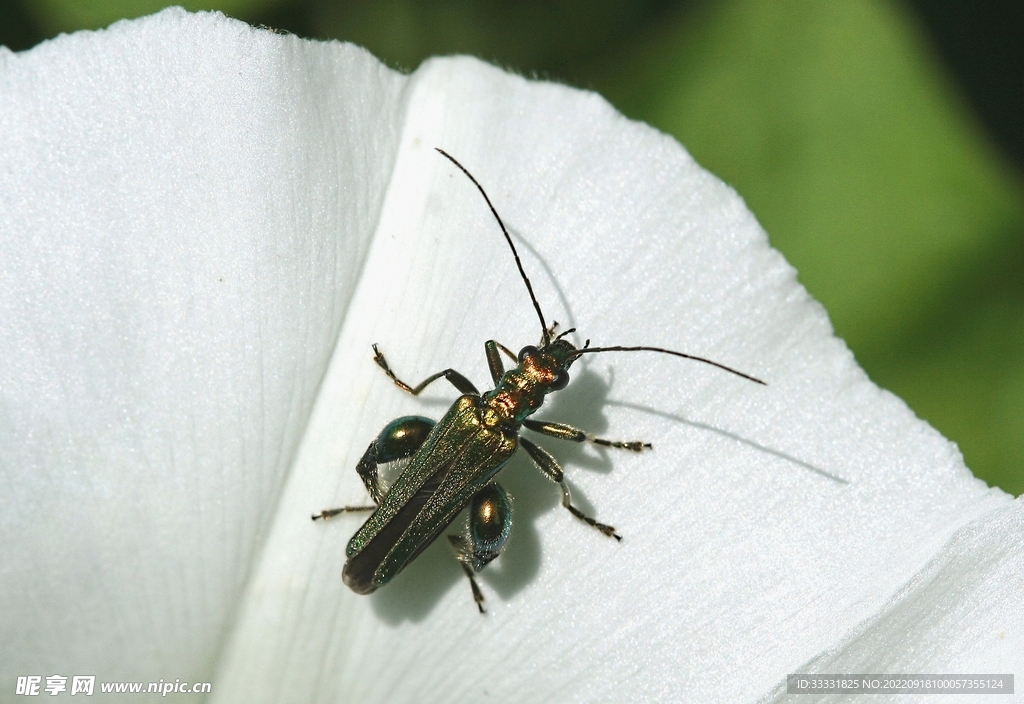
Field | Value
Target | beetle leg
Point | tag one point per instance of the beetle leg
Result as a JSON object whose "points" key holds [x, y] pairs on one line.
{"points": [[493, 348], [331, 512], [511, 355], [549, 333], [567, 432], [490, 521], [397, 441], [494, 363], [549, 466], [460, 382]]}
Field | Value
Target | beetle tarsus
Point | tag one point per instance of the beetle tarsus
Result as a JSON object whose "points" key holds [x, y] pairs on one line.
{"points": [[632, 445], [378, 357], [568, 432], [603, 527], [478, 596], [328, 513], [457, 380], [460, 552]]}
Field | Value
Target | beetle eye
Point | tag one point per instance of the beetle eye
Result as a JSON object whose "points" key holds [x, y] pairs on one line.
{"points": [[561, 380], [527, 351]]}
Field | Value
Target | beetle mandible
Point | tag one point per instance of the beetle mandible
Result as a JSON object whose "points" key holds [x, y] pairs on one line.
{"points": [[452, 464]]}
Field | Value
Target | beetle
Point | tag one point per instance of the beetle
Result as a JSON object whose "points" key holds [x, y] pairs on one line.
{"points": [[452, 464]]}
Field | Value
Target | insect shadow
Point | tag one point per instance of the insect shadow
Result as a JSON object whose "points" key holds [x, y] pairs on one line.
{"points": [[415, 592], [697, 425]]}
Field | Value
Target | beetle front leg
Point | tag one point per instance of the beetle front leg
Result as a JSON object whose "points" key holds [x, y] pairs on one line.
{"points": [[549, 333], [567, 432], [549, 466], [399, 440], [490, 521], [460, 382], [493, 350]]}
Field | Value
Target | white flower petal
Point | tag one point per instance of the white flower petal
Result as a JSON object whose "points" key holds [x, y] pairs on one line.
{"points": [[959, 615], [182, 224], [206, 226]]}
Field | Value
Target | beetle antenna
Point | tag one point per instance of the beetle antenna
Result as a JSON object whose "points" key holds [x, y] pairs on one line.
{"points": [[588, 350], [519, 263]]}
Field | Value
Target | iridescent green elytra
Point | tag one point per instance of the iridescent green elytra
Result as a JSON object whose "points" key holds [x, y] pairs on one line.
{"points": [[452, 464]]}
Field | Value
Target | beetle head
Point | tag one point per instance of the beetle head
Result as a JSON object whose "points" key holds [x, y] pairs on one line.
{"points": [[549, 363]]}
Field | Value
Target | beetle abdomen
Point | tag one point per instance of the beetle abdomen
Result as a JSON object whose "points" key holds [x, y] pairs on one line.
{"points": [[359, 570], [459, 457]]}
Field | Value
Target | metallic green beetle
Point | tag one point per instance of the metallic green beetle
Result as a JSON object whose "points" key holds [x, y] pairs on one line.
{"points": [[452, 464]]}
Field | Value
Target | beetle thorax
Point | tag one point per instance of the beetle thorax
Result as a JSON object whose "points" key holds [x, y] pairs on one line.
{"points": [[521, 390], [512, 401]]}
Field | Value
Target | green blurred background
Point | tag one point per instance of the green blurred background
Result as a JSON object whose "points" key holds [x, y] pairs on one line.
{"points": [[880, 143]]}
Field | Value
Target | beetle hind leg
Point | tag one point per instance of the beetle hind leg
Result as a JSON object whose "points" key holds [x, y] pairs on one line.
{"points": [[332, 512], [399, 440], [490, 521], [464, 554]]}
